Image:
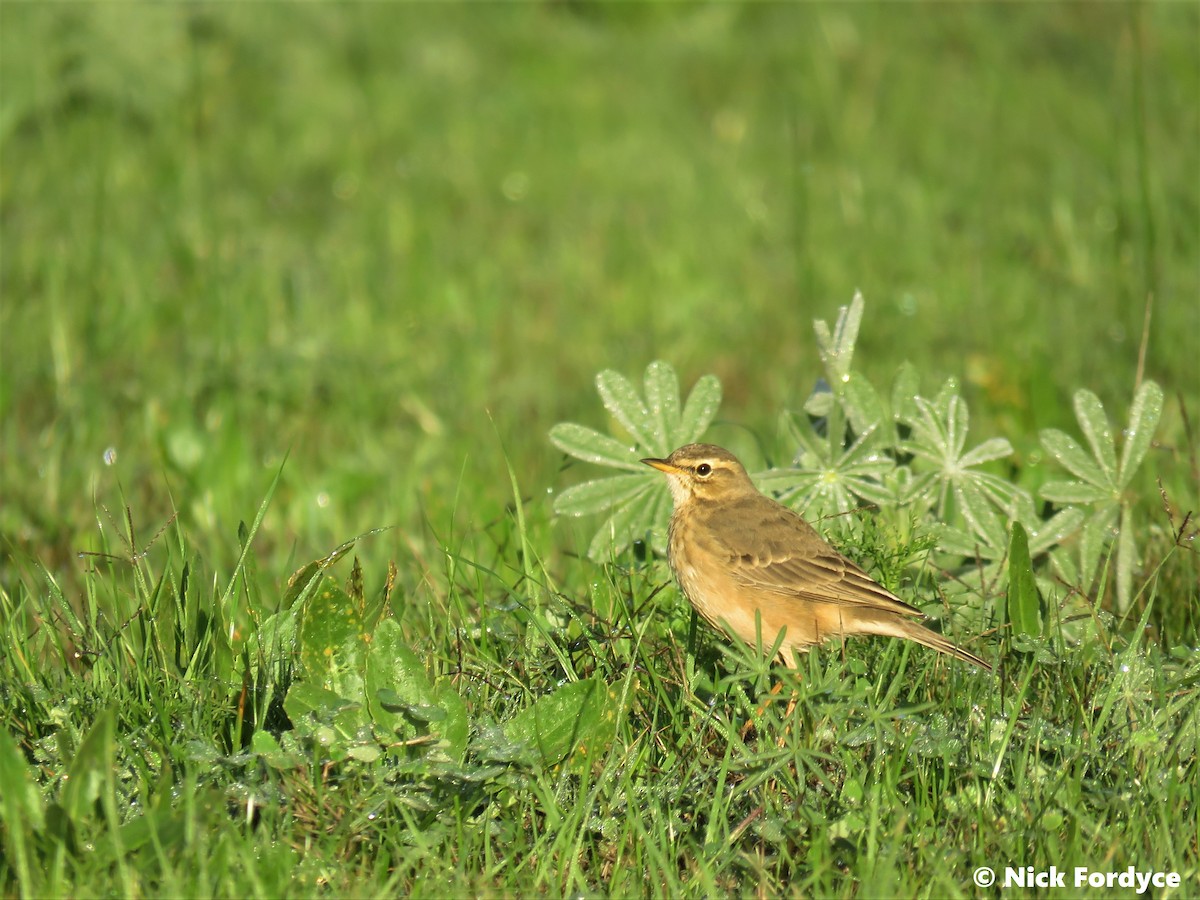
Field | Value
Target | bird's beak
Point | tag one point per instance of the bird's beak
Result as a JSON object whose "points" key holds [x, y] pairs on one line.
{"points": [[663, 466]]}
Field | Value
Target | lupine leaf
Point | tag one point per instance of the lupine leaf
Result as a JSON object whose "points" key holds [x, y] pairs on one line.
{"points": [[1063, 524], [978, 512], [601, 494], [863, 405], [905, 388], [994, 448], [662, 398], [592, 446], [837, 348], [1093, 421], [1143, 420], [1095, 534], [623, 404], [1072, 457], [1073, 492], [702, 405]]}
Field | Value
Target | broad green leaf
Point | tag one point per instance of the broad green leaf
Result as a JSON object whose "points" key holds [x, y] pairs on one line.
{"points": [[592, 446], [601, 494], [333, 627], [1023, 603], [22, 812], [662, 397], [401, 698], [1095, 426], [21, 806], [1072, 457], [1143, 420], [306, 698], [702, 404], [91, 769], [623, 404], [1073, 492], [302, 583], [266, 746], [994, 448], [570, 721], [337, 722]]}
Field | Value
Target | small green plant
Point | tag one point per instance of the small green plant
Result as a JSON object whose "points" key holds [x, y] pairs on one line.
{"points": [[656, 425], [1101, 485], [850, 448]]}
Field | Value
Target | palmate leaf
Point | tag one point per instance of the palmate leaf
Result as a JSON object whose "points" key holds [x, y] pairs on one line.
{"points": [[1100, 483], [657, 422], [826, 479], [939, 438]]}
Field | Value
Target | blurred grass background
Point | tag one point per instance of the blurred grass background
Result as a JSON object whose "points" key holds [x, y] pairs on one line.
{"points": [[397, 241], [393, 244]]}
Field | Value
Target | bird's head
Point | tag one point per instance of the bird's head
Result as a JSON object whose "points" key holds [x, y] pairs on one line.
{"points": [[703, 472]]}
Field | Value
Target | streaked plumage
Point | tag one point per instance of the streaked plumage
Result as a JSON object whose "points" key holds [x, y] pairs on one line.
{"points": [[740, 558]]}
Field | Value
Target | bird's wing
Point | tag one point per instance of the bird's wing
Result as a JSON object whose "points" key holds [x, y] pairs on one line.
{"points": [[795, 561]]}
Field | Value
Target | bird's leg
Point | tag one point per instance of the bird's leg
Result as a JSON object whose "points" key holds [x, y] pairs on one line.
{"points": [[762, 710]]}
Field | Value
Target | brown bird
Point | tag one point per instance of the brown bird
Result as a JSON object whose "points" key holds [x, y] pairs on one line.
{"points": [[754, 567]]}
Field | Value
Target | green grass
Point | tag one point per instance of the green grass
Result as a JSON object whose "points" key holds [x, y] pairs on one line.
{"points": [[378, 251]]}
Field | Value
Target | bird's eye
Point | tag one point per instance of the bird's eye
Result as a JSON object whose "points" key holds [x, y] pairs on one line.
{"points": [[703, 470]]}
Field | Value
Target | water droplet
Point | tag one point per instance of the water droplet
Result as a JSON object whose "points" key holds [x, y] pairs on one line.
{"points": [[322, 499], [110, 456]]}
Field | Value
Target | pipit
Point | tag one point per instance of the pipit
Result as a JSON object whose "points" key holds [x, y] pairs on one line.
{"points": [[754, 567]]}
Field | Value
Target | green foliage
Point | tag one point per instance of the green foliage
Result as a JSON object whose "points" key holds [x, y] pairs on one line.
{"points": [[576, 719], [850, 450], [1102, 486], [361, 237], [1022, 603], [657, 425]]}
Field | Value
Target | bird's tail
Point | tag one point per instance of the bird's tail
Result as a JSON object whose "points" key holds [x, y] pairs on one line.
{"points": [[894, 626]]}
